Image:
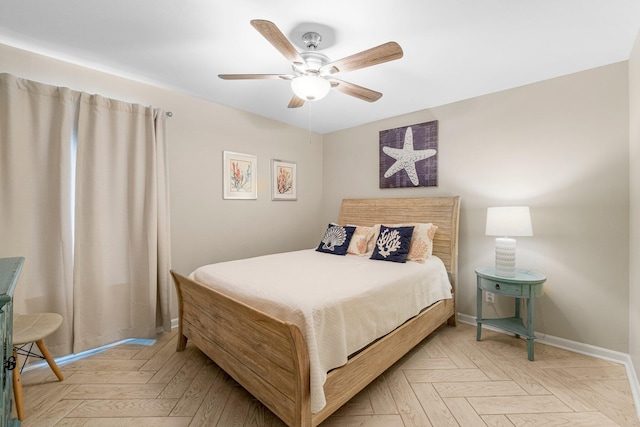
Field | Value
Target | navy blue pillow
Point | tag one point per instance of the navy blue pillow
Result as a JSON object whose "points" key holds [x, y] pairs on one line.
{"points": [[393, 244], [336, 239]]}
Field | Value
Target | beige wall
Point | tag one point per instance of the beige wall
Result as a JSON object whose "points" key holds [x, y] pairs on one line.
{"points": [[559, 146], [634, 213], [206, 228]]}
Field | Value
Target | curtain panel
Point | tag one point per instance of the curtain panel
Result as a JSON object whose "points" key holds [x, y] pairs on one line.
{"points": [[36, 127], [105, 264]]}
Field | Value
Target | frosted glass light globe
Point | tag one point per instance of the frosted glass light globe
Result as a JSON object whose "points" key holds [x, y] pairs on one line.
{"points": [[310, 87]]}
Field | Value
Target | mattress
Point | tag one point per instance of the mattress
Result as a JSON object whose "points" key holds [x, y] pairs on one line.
{"points": [[340, 303]]}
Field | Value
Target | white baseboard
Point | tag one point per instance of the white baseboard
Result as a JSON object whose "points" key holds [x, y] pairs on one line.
{"points": [[577, 347]]}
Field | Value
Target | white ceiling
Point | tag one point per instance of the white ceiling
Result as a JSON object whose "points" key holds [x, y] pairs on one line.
{"points": [[453, 49]]}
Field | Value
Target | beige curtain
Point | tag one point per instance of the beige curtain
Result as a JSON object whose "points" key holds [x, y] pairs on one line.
{"points": [[121, 271], [106, 269], [36, 125]]}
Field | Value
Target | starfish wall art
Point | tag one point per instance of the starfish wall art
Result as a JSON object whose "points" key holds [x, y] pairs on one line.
{"points": [[408, 156]]}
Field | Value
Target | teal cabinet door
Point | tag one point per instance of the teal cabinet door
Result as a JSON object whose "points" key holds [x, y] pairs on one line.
{"points": [[9, 272]]}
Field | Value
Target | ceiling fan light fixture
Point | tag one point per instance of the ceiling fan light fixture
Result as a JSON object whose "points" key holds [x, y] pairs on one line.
{"points": [[310, 87]]}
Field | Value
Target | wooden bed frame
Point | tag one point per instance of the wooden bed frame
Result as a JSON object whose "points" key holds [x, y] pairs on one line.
{"points": [[269, 358]]}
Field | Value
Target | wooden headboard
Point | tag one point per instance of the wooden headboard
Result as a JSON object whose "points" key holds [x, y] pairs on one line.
{"points": [[441, 211]]}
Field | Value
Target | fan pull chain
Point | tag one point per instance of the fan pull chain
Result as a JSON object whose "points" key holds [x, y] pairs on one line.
{"points": [[309, 120]]}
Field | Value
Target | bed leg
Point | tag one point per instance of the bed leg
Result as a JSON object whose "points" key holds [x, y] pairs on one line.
{"points": [[182, 342], [453, 320]]}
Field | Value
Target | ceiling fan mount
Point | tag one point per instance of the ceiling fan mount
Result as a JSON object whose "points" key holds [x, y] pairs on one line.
{"points": [[313, 72], [311, 40]]}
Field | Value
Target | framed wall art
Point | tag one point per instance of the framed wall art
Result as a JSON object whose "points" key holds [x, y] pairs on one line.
{"points": [[240, 179], [409, 156], [284, 180]]}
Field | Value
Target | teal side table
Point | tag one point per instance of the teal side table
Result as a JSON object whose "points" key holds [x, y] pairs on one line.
{"points": [[526, 284]]}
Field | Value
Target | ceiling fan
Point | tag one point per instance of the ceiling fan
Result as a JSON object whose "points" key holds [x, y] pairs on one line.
{"points": [[313, 73]]}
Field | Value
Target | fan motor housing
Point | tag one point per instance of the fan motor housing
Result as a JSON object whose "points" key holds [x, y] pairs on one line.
{"points": [[314, 61]]}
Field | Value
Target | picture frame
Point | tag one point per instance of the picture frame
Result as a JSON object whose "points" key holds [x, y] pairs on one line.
{"points": [[240, 176], [409, 156], [284, 180]]}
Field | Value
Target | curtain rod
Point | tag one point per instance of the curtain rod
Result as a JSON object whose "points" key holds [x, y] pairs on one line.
{"points": [[168, 114]]}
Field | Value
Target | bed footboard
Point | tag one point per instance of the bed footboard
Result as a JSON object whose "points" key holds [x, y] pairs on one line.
{"points": [[345, 382], [266, 356]]}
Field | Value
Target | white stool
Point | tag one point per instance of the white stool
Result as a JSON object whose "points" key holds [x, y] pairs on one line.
{"points": [[27, 329]]}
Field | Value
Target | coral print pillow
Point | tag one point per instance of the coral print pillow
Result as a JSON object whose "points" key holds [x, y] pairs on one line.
{"points": [[361, 240], [336, 239], [393, 244], [422, 241]]}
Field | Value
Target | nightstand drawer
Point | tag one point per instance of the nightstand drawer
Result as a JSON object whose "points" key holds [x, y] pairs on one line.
{"points": [[509, 289]]}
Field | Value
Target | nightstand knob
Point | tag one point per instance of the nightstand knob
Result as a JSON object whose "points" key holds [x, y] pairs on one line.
{"points": [[497, 286]]}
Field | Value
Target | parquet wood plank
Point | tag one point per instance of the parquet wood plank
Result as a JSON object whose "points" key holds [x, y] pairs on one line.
{"points": [[102, 364], [582, 419], [139, 422], [115, 391], [519, 375], [190, 402], [360, 404], [479, 388], [109, 377], [365, 420], [54, 414], [464, 413], [116, 353], [381, 398], [487, 365], [549, 379], [408, 405], [73, 422], [148, 351], [496, 421], [445, 375], [160, 357], [237, 408], [214, 402], [170, 368], [114, 408], [517, 404], [437, 411], [259, 416], [179, 384]]}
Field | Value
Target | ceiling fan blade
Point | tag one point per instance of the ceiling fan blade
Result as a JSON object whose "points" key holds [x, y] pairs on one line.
{"points": [[254, 76], [295, 102], [374, 56], [274, 36], [355, 90]]}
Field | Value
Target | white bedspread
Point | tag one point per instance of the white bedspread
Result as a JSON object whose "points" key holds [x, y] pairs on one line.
{"points": [[340, 303]]}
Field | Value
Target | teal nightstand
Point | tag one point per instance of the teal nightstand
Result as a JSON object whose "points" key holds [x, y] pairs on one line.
{"points": [[526, 284]]}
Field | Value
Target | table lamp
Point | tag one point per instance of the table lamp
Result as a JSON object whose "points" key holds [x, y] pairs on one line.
{"points": [[507, 222]]}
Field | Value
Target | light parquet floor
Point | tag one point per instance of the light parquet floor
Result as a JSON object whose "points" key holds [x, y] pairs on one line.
{"points": [[450, 379]]}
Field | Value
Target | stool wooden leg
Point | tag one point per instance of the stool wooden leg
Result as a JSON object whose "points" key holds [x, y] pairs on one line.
{"points": [[17, 388], [45, 352]]}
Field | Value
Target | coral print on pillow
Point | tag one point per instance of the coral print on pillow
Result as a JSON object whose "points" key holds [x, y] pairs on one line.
{"points": [[421, 241], [336, 239], [361, 240], [393, 244]]}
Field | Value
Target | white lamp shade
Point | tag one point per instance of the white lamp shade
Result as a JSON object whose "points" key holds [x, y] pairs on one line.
{"points": [[310, 87], [509, 221]]}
